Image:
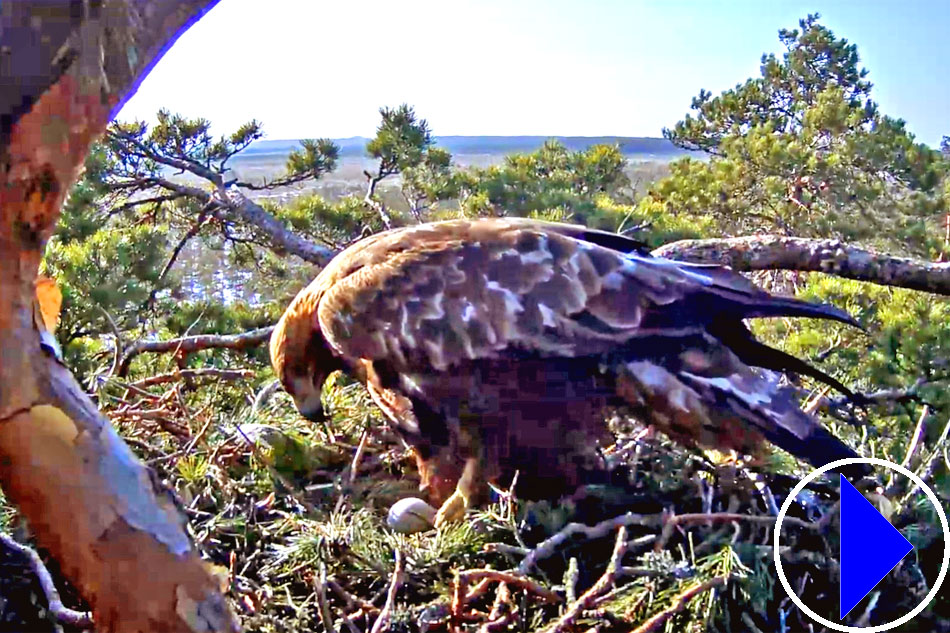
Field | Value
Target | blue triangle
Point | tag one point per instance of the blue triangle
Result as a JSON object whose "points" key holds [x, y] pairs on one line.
{"points": [[870, 547]]}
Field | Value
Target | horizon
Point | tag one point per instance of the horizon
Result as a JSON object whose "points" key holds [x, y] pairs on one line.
{"points": [[607, 68]]}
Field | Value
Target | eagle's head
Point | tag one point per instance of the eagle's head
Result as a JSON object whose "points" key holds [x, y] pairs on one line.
{"points": [[301, 358]]}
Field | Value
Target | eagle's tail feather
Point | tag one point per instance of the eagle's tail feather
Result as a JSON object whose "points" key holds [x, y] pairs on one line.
{"points": [[763, 305], [727, 407], [820, 447], [739, 339]]}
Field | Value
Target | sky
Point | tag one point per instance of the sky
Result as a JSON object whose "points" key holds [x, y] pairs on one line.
{"points": [[310, 68]]}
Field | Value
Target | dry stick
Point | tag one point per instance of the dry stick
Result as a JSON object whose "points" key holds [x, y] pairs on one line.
{"points": [[866, 616], [190, 344], [320, 586], [549, 546], [919, 431], [603, 584], [206, 372], [472, 575], [915, 443], [928, 470], [382, 621], [656, 622], [56, 607], [675, 520], [358, 457], [200, 434], [504, 548], [352, 602]]}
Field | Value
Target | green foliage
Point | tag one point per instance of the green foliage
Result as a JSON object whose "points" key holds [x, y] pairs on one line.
{"points": [[401, 140], [802, 150], [551, 178]]}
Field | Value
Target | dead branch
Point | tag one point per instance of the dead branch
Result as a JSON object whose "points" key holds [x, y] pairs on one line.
{"points": [[656, 622], [382, 620], [190, 344], [320, 587], [675, 520], [465, 578], [603, 584], [775, 252], [55, 604], [202, 373], [550, 545]]}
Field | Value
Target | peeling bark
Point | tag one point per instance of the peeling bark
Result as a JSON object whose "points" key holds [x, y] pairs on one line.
{"points": [[88, 499], [774, 252]]}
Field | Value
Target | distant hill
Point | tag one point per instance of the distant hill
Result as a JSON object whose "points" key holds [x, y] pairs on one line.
{"points": [[631, 146]]}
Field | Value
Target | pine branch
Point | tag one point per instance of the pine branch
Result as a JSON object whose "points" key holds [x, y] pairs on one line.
{"points": [[834, 257], [190, 344]]}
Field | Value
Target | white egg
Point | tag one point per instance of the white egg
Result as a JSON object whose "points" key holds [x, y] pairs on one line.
{"points": [[410, 515]]}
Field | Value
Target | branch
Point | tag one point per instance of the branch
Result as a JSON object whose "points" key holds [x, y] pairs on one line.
{"points": [[59, 611], [773, 252], [656, 622], [603, 584], [278, 237], [190, 344], [382, 620], [207, 372], [274, 234]]}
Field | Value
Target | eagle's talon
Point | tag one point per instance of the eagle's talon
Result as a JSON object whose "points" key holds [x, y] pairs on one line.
{"points": [[452, 510]]}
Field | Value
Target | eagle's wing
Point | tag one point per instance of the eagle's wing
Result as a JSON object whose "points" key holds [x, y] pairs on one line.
{"points": [[431, 297], [442, 293]]}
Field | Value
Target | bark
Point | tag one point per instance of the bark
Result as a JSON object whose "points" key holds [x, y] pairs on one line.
{"points": [[774, 252], [189, 344], [89, 501]]}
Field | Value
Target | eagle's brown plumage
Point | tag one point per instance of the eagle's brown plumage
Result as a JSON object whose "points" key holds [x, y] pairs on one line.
{"points": [[497, 344]]}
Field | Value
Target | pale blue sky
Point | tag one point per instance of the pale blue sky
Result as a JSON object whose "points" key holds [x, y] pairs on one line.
{"points": [[309, 68]]}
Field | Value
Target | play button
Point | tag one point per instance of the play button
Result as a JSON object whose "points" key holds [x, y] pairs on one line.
{"points": [[870, 547]]}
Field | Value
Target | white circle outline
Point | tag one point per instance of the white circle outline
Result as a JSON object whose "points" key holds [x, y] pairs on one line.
{"points": [[887, 625]]}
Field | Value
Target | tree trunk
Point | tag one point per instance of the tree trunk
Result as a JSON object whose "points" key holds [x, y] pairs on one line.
{"points": [[67, 66]]}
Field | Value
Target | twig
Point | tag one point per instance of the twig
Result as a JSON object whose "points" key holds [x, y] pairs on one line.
{"points": [[189, 344], [504, 548], [265, 392], [718, 517], [465, 578], [866, 616], [206, 372], [117, 353], [916, 441], [656, 622], [382, 621], [603, 584], [928, 470], [55, 604], [549, 546], [358, 457], [320, 586]]}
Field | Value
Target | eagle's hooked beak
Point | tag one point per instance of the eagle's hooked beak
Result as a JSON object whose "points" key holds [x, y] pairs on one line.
{"points": [[311, 407]]}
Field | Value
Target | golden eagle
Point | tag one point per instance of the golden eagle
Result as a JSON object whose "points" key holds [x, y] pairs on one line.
{"points": [[496, 345]]}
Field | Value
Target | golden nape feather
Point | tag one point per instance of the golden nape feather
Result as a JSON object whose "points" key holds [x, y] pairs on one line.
{"points": [[497, 345]]}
